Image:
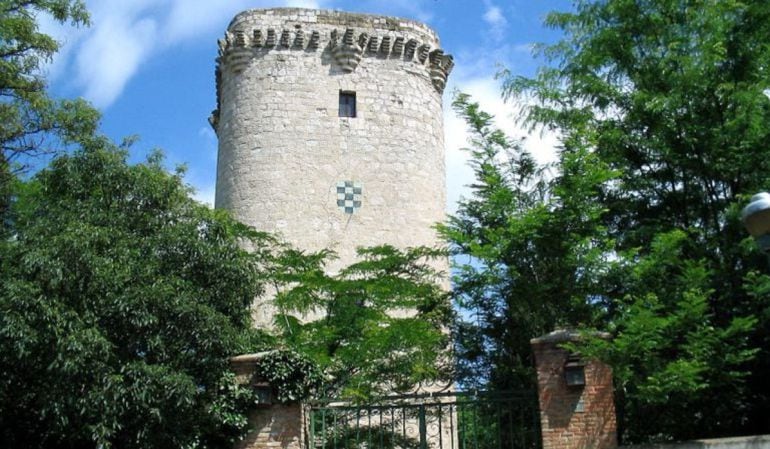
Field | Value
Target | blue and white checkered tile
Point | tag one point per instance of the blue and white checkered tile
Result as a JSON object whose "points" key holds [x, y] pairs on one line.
{"points": [[349, 196]]}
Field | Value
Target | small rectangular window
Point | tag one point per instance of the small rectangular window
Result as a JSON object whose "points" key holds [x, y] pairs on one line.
{"points": [[347, 104]]}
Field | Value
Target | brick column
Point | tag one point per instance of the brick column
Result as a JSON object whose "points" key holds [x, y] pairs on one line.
{"points": [[573, 417], [271, 425]]}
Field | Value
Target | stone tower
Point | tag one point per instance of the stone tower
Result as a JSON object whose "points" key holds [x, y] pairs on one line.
{"points": [[330, 129]]}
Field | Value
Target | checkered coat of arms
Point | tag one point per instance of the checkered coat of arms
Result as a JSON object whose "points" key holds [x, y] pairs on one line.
{"points": [[349, 196]]}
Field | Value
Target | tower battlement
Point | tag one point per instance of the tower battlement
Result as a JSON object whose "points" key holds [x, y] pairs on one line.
{"points": [[340, 39]]}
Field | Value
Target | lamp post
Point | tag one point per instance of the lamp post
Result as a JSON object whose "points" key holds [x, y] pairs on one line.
{"points": [[756, 219]]}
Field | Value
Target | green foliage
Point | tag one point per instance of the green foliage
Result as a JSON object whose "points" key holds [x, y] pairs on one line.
{"points": [[293, 376], [376, 326], [121, 298], [667, 352], [32, 123], [228, 410], [527, 248], [120, 303], [668, 95]]}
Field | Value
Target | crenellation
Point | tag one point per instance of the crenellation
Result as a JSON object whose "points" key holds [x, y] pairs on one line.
{"points": [[413, 41]]}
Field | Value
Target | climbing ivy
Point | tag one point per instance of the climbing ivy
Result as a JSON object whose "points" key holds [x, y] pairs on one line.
{"points": [[293, 376]]}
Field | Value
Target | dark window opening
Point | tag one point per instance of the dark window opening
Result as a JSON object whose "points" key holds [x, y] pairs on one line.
{"points": [[347, 104]]}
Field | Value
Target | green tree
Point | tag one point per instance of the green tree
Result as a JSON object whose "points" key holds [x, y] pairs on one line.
{"points": [[526, 247], [377, 326], [31, 122], [669, 95], [121, 300], [677, 373]]}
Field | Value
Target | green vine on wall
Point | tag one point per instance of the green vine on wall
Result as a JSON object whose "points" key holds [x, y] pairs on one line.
{"points": [[292, 376]]}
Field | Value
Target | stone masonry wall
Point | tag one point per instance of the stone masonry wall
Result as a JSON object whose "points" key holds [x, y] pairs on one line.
{"points": [[285, 156], [573, 417], [274, 426], [271, 425]]}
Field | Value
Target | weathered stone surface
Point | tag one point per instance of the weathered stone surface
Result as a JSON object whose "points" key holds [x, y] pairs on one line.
{"points": [[244, 30], [278, 426], [748, 442], [283, 149]]}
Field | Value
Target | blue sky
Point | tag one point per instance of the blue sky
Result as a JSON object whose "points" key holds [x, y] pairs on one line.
{"points": [[148, 65]]}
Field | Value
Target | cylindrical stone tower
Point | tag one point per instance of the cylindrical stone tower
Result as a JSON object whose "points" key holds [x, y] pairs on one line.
{"points": [[330, 129]]}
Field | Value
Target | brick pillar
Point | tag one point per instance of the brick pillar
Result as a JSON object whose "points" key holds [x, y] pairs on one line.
{"points": [[271, 425], [573, 417]]}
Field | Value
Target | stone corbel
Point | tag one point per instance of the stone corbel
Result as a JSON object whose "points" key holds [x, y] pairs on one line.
{"points": [[398, 46], [440, 66], [284, 39], [348, 53], [409, 50], [299, 38], [237, 54], [423, 53], [257, 39], [385, 46], [315, 39]]}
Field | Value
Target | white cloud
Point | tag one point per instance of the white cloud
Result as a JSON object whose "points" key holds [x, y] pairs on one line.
{"points": [[65, 35], [486, 91], [493, 16], [475, 75], [108, 58], [196, 18], [126, 34]]}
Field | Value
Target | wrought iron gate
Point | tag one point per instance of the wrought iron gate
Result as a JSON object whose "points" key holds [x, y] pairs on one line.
{"points": [[453, 420]]}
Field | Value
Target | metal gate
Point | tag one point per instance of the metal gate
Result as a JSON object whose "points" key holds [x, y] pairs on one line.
{"points": [[453, 420]]}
